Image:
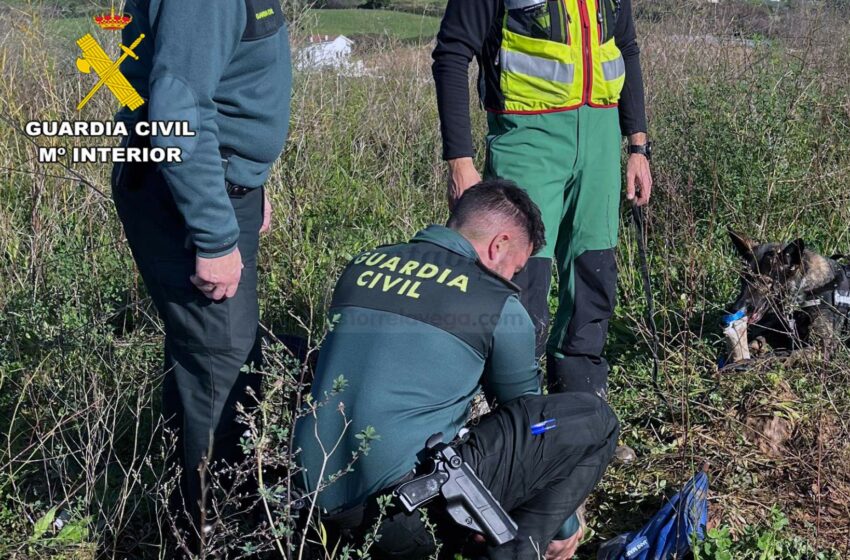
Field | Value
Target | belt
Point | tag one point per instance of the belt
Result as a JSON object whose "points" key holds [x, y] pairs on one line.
{"points": [[235, 191]]}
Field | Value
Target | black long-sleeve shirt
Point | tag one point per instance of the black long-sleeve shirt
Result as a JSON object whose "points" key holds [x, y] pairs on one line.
{"points": [[473, 28]]}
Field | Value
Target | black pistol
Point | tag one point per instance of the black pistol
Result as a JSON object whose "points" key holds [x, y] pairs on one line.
{"points": [[468, 501]]}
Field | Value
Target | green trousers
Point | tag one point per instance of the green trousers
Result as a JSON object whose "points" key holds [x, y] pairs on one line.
{"points": [[569, 163]]}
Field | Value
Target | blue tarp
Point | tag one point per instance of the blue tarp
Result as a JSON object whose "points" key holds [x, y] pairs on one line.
{"points": [[670, 532]]}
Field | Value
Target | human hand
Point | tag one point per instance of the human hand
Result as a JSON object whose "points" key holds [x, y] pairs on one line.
{"points": [[638, 176], [462, 175], [638, 179], [267, 213], [218, 278], [564, 549]]}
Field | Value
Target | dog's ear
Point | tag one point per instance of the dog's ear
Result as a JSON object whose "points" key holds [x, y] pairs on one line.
{"points": [[792, 253], [743, 244]]}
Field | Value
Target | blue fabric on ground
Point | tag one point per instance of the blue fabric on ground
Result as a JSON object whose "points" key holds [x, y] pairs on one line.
{"points": [[670, 531]]}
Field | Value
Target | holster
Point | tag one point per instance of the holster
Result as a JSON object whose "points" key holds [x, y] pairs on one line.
{"points": [[469, 503]]}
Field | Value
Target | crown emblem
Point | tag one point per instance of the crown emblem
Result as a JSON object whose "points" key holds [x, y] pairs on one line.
{"points": [[113, 21]]}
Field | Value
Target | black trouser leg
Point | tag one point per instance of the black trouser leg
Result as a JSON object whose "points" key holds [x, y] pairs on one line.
{"points": [[541, 480], [535, 280], [206, 343], [574, 361]]}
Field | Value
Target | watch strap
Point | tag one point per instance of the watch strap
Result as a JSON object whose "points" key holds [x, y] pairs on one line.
{"points": [[643, 149]]}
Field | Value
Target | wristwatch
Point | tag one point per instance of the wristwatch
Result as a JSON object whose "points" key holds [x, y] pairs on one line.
{"points": [[645, 149]]}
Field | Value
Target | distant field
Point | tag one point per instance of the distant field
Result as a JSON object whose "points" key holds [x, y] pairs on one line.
{"points": [[72, 27], [430, 7], [399, 25]]}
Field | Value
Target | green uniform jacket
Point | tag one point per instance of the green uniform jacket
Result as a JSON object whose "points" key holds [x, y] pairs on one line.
{"points": [[224, 67], [415, 331]]}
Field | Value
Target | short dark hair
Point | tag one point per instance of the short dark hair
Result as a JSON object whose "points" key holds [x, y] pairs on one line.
{"points": [[502, 197]]}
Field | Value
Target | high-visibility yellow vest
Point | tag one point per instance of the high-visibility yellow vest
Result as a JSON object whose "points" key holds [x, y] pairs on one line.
{"points": [[558, 55]]}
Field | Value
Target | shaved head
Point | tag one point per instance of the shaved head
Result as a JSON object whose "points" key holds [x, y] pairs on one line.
{"points": [[496, 204], [501, 222]]}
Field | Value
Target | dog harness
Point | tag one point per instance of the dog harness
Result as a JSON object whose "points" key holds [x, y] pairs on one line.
{"points": [[835, 295]]}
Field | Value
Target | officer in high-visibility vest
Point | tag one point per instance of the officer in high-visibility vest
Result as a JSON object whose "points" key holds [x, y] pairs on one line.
{"points": [[561, 82], [194, 226]]}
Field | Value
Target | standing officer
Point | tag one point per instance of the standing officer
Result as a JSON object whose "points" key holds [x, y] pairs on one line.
{"points": [[415, 330], [552, 74], [193, 227]]}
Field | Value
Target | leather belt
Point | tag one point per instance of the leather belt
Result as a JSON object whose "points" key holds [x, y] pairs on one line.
{"points": [[235, 191]]}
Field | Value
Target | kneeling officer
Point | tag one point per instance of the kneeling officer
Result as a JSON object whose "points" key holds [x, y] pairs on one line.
{"points": [[415, 330]]}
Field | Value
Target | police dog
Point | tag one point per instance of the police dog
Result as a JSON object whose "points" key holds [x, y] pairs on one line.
{"points": [[793, 297]]}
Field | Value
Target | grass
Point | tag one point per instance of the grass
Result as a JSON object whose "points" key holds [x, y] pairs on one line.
{"points": [[752, 137], [429, 7], [353, 22], [71, 27], [349, 22]]}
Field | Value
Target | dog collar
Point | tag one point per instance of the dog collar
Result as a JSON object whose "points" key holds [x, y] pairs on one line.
{"points": [[732, 317]]}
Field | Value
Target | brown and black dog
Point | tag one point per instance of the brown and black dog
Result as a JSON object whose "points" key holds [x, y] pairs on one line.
{"points": [[793, 297]]}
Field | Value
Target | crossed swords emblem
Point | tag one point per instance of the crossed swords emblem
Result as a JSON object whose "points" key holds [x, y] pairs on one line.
{"points": [[109, 71]]}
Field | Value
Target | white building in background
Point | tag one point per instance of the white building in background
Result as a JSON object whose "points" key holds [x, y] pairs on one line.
{"points": [[323, 52]]}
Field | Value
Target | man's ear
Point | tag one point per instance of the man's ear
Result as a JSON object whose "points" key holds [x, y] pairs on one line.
{"points": [[792, 254], [744, 245], [498, 246]]}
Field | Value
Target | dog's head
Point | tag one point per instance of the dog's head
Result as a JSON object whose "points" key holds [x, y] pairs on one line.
{"points": [[772, 271]]}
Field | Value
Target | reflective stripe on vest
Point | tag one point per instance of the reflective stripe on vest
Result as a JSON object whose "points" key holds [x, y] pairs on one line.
{"points": [[550, 70], [613, 69], [550, 63]]}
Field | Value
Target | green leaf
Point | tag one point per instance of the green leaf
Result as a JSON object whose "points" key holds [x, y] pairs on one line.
{"points": [[323, 535], [339, 384], [74, 533], [367, 434], [43, 524]]}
